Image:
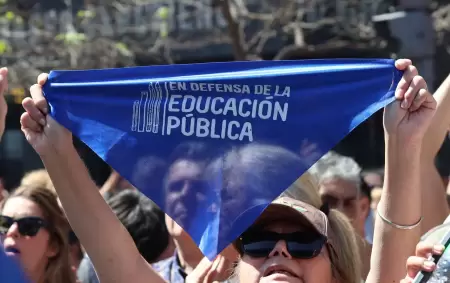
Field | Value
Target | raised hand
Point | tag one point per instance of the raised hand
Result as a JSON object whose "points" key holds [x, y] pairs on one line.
{"points": [[420, 261], [210, 272], [3, 105], [42, 132], [410, 115]]}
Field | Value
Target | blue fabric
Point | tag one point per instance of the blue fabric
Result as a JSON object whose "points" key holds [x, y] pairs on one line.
{"points": [[229, 134], [86, 272], [10, 271]]}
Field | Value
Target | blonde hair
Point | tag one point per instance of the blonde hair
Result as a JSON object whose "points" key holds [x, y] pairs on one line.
{"points": [[375, 194], [345, 261], [37, 178], [58, 268]]}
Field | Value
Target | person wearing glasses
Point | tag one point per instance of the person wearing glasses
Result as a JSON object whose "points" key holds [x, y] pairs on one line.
{"points": [[34, 231], [294, 240], [297, 238]]}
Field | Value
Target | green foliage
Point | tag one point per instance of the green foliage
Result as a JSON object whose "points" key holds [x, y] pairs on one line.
{"points": [[71, 38], [4, 47], [86, 14], [123, 49], [163, 13]]}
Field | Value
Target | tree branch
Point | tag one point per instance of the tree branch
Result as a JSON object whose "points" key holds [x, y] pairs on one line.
{"points": [[234, 31]]}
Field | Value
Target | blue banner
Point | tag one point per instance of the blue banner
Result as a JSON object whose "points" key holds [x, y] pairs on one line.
{"points": [[208, 141], [10, 270]]}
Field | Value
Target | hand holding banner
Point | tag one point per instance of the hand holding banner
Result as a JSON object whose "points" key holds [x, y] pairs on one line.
{"points": [[226, 135]]}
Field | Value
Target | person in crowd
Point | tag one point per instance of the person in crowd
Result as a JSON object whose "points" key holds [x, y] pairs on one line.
{"points": [[293, 241], [420, 261], [39, 178], [145, 222], [3, 192], [34, 230], [408, 201], [434, 205], [148, 171], [400, 213], [114, 184], [433, 198], [9, 270], [405, 127], [76, 251], [184, 183], [366, 192], [254, 159], [376, 196], [373, 178], [405, 123], [341, 187]]}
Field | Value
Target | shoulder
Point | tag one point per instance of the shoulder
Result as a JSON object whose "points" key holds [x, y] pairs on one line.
{"points": [[163, 265], [86, 272]]}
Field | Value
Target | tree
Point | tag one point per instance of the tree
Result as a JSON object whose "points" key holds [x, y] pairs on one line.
{"points": [[441, 17], [87, 34]]}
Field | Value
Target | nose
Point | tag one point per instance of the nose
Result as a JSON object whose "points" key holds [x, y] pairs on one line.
{"points": [[280, 249], [13, 231], [186, 189]]}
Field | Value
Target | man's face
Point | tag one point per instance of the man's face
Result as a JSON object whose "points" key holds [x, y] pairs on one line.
{"points": [[184, 186], [344, 196]]}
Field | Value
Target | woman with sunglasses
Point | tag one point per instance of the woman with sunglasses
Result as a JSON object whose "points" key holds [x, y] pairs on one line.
{"points": [[293, 241], [34, 230]]}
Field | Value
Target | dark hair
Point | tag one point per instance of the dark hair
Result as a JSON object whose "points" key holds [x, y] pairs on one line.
{"points": [[144, 220], [193, 151], [366, 189]]}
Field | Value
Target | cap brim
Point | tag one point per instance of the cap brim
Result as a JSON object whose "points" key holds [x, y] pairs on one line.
{"points": [[277, 212], [284, 209]]}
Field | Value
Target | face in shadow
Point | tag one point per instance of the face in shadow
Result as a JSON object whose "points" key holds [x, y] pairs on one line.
{"points": [[185, 192], [344, 196]]}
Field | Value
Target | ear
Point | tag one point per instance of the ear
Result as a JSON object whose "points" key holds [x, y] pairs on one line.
{"points": [[52, 250]]}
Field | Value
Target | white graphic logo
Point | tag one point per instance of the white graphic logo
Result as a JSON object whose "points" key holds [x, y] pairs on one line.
{"points": [[146, 111]]}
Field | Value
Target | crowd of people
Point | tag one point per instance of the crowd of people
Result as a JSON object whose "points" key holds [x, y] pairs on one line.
{"points": [[335, 224]]}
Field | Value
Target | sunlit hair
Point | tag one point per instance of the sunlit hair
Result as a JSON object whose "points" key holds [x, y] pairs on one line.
{"points": [[346, 263], [260, 167], [58, 268], [335, 166], [376, 194], [37, 178]]}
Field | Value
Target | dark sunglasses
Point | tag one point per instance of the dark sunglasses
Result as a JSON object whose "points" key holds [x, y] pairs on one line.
{"points": [[302, 245], [28, 226]]}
